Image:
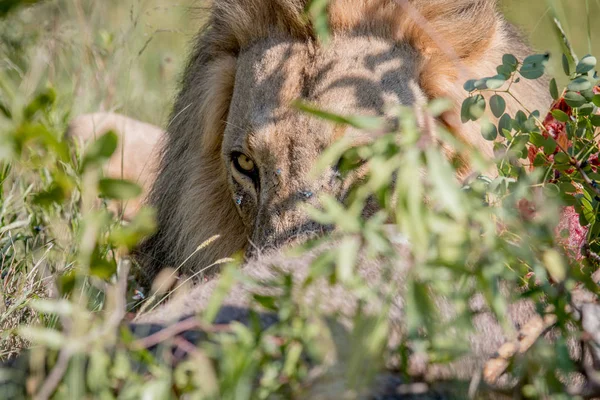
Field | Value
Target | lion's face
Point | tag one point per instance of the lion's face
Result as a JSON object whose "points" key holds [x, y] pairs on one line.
{"points": [[269, 147], [239, 157]]}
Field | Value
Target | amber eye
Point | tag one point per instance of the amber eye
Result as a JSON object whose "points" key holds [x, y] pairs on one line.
{"points": [[244, 164]]}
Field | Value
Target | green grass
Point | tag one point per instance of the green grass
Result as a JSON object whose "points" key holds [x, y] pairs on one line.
{"points": [[534, 19], [124, 56]]}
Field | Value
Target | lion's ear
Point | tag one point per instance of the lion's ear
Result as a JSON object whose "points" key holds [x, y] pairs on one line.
{"points": [[433, 27], [457, 28]]}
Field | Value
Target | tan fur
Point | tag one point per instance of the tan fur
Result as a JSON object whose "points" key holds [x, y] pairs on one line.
{"points": [[136, 157], [254, 59]]}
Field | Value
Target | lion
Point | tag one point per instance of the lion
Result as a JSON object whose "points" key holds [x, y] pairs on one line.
{"points": [[136, 157], [238, 155]]}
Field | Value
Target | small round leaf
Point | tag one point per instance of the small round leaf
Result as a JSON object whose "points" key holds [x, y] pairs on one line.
{"points": [[477, 107], [489, 131], [586, 64], [579, 84], [497, 105], [495, 82], [561, 158], [574, 99], [505, 123], [560, 115], [510, 61], [469, 85]]}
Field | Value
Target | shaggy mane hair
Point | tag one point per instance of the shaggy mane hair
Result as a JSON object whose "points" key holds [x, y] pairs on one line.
{"points": [[191, 194]]}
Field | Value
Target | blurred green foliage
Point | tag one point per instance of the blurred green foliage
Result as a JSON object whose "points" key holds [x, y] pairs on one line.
{"points": [[122, 56], [8, 5]]}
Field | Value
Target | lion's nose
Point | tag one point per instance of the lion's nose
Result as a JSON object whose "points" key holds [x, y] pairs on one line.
{"points": [[270, 238], [284, 221]]}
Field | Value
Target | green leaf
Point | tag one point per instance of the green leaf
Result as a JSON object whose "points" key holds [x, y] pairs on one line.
{"points": [[519, 120], [510, 61], [574, 99], [444, 182], [142, 225], [579, 84], [555, 265], [9, 5], [566, 65], [586, 64], [497, 105], [519, 144], [439, 106], [473, 108], [586, 109], [495, 82], [119, 189], [227, 278], [534, 66], [488, 130], [359, 122], [551, 190], [61, 307], [554, 89], [505, 71], [505, 123], [560, 115], [44, 336], [100, 150], [317, 11], [588, 94], [4, 110], [100, 266], [481, 84], [346, 258], [157, 389], [596, 100], [562, 158], [595, 120], [469, 85], [539, 160], [520, 117], [41, 101], [268, 302], [53, 195], [536, 139], [419, 307], [549, 146], [588, 212], [98, 370], [465, 114]]}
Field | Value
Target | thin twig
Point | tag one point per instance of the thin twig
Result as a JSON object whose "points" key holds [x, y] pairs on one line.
{"points": [[176, 329], [528, 335], [56, 375]]}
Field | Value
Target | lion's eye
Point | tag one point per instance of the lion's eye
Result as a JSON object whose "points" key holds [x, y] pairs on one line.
{"points": [[244, 165]]}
